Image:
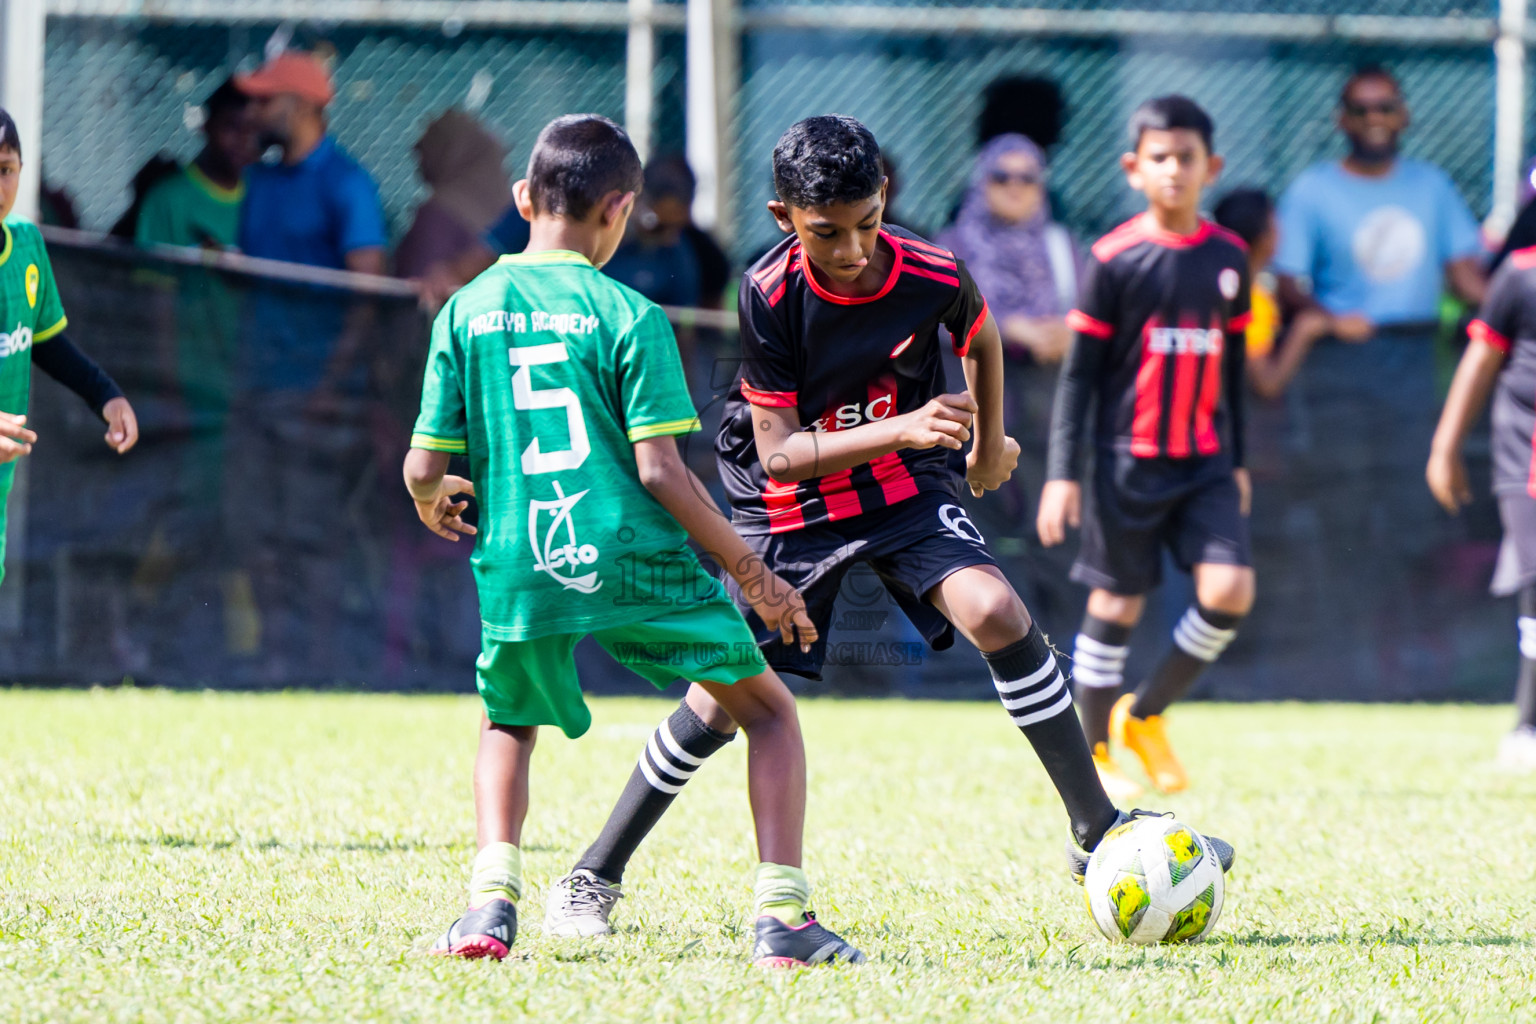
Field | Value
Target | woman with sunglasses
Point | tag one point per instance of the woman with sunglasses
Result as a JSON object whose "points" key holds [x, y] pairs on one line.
{"points": [[1027, 266]]}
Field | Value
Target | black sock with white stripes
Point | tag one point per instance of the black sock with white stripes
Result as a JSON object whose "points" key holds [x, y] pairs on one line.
{"points": [[1037, 699], [1198, 640], [1098, 672], [675, 751]]}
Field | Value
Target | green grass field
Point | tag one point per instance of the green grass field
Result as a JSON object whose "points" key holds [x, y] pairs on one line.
{"points": [[274, 858]]}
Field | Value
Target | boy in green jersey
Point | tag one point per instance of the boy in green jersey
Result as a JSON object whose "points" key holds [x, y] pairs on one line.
{"points": [[32, 326], [566, 391], [199, 205]]}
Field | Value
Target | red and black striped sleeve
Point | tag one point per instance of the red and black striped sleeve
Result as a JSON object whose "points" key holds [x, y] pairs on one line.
{"points": [[768, 375], [1498, 319], [1093, 323], [967, 312]]}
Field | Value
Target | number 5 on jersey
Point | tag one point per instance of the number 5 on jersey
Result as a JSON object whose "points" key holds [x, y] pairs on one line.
{"points": [[526, 397]]}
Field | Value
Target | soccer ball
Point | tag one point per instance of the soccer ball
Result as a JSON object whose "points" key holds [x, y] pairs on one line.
{"points": [[1152, 880]]}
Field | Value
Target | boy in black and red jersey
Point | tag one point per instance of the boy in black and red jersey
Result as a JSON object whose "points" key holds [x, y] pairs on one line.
{"points": [[1159, 344], [836, 449], [1502, 354]]}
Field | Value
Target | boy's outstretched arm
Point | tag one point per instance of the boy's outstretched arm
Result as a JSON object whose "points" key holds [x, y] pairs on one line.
{"points": [[1447, 471], [994, 455], [674, 485], [63, 360], [433, 490]]}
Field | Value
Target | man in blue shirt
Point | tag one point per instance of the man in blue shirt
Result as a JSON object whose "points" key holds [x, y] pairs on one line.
{"points": [[1375, 234], [317, 205]]}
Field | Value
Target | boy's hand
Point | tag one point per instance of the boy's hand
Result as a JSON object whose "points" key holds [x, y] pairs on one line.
{"points": [[1244, 490], [122, 425], [442, 514], [1447, 477], [943, 422], [992, 473], [1061, 505], [781, 607], [15, 439]]}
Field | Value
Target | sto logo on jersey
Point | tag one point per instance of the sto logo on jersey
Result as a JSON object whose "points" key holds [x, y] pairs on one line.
{"points": [[557, 548], [34, 278]]}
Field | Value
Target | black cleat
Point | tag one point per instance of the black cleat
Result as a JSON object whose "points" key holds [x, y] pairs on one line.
{"points": [[482, 931], [806, 945]]}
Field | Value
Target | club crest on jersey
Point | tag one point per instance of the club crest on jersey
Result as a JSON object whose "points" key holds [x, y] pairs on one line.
{"points": [[1229, 282], [34, 278], [958, 523], [557, 548], [1178, 341]]}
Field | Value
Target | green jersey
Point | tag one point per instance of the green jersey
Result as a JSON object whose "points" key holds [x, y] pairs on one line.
{"points": [[189, 209], [545, 372], [30, 313]]}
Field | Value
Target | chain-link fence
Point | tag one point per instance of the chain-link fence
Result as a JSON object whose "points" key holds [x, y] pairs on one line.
{"points": [[118, 90]]}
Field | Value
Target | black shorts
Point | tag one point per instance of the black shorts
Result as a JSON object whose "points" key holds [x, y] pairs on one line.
{"points": [[1516, 567], [911, 546], [1136, 507]]}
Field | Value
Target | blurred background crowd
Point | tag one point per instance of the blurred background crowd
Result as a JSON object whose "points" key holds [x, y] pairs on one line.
{"points": [[277, 405]]}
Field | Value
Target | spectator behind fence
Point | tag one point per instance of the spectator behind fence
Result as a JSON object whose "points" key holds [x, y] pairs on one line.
{"points": [[461, 161], [654, 259], [1027, 267], [1274, 355], [317, 205], [153, 171], [714, 264], [198, 204], [1376, 234], [1023, 261]]}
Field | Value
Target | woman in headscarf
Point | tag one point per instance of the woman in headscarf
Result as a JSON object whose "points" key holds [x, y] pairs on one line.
{"points": [[1023, 261], [1027, 267], [461, 161]]}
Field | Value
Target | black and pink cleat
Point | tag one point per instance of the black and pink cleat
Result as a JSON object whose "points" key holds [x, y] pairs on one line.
{"points": [[806, 945], [481, 932]]}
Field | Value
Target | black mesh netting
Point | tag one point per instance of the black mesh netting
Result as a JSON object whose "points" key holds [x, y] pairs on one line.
{"points": [[259, 535]]}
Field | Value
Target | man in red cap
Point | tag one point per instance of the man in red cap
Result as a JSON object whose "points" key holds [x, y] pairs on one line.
{"points": [[317, 206]]}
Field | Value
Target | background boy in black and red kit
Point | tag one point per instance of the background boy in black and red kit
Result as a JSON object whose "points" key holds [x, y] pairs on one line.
{"points": [[1159, 344]]}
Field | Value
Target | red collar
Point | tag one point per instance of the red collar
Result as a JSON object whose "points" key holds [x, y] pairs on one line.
{"points": [[846, 300]]}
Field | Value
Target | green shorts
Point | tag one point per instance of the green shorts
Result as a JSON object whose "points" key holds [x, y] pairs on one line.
{"points": [[533, 682]]}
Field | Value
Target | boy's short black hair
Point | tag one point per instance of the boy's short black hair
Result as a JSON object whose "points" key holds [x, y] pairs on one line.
{"points": [[578, 159], [825, 160], [1245, 212], [223, 100], [1167, 113], [10, 138]]}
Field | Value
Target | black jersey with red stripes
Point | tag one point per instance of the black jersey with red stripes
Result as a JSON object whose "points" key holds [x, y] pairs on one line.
{"points": [[1159, 342], [841, 362], [1507, 322]]}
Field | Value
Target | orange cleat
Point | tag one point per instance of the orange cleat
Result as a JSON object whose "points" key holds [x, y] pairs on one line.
{"points": [[1146, 738], [1120, 787]]}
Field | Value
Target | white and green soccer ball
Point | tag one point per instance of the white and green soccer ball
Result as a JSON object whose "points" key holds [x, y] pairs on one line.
{"points": [[1154, 880]]}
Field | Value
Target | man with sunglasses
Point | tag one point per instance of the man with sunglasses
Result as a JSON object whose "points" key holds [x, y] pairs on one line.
{"points": [[1376, 235]]}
